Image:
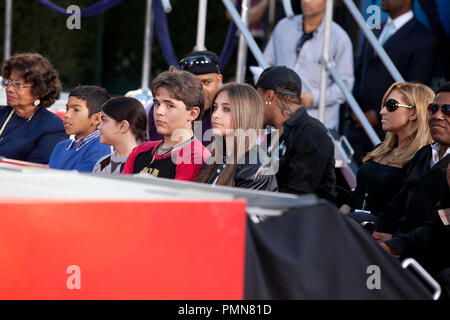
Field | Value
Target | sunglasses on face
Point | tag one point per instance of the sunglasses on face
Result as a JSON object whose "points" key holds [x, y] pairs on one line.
{"points": [[392, 105], [187, 63], [434, 107], [195, 60]]}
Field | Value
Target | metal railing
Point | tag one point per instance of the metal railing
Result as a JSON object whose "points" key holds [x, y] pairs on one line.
{"points": [[146, 61], [326, 56], [241, 65], [413, 264]]}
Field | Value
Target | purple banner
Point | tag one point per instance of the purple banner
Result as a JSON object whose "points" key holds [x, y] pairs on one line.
{"points": [[90, 11], [162, 32]]}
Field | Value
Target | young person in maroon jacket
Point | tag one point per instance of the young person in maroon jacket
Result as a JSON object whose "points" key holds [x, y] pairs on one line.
{"points": [[178, 101]]}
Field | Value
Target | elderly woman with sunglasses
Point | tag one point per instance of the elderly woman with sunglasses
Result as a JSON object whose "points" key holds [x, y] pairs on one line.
{"points": [[28, 131], [404, 118]]}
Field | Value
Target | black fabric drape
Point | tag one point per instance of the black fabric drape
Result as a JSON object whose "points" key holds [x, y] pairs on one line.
{"points": [[314, 252]]}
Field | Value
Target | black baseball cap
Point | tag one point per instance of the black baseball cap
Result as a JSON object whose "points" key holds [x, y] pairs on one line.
{"points": [[282, 80], [200, 62]]}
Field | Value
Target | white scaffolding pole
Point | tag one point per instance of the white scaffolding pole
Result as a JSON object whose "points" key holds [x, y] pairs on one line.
{"points": [[241, 65], [201, 25], [326, 57], [146, 63], [8, 28]]}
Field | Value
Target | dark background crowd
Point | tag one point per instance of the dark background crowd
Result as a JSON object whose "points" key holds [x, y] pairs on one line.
{"points": [[108, 48]]}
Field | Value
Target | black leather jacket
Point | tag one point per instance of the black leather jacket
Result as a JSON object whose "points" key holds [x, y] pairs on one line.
{"points": [[306, 154], [255, 173]]}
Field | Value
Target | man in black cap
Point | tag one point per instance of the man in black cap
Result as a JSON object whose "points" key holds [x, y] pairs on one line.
{"points": [[205, 65], [306, 151]]}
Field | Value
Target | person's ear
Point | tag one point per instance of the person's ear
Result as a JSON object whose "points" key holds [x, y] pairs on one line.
{"points": [[269, 97], [413, 115], [220, 78], [96, 118], [193, 113], [124, 125]]}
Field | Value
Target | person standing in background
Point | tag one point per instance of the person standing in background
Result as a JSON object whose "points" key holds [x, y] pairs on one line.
{"points": [[297, 44]]}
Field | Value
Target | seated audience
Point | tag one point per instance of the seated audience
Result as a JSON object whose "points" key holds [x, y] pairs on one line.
{"points": [[178, 101], [123, 124], [404, 117], [237, 118], [305, 149], [28, 131], [83, 112], [410, 225]]}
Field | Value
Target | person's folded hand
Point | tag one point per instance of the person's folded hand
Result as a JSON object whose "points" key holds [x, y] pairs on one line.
{"points": [[381, 236]]}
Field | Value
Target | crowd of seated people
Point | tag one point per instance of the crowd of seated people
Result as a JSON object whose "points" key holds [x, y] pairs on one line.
{"points": [[411, 224], [262, 137]]}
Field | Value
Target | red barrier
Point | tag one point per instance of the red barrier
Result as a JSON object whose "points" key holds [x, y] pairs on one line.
{"points": [[122, 250], [23, 163], [59, 112]]}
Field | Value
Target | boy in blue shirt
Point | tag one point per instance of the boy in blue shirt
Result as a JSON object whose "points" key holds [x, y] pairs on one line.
{"points": [[83, 114]]}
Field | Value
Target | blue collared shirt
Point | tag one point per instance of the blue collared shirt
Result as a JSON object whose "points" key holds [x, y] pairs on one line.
{"points": [[282, 50], [82, 141], [81, 154]]}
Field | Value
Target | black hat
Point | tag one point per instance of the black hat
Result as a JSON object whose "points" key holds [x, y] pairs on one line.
{"points": [[282, 80], [200, 62]]}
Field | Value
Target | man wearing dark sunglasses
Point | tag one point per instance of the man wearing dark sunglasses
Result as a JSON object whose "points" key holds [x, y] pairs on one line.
{"points": [[412, 216]]}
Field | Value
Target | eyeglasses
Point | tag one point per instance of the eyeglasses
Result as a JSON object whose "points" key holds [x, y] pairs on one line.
{"points": [[17, 85], [434, 107], [392, 105], [188, 62]]}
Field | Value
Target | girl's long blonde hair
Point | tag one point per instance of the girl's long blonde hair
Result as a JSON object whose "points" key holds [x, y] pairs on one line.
{"points": [[418, 95], [247, 110]]}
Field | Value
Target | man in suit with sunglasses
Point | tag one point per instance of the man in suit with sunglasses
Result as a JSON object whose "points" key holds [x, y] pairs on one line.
{"points": [[414, 51], [419, 231]]}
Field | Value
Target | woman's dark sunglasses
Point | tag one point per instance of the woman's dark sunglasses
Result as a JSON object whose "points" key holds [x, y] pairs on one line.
{"points": [[434, 107], [392, 105]]}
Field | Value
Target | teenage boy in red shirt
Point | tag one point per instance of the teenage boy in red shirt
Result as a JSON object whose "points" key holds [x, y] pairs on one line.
{"points": [[178, 101]]}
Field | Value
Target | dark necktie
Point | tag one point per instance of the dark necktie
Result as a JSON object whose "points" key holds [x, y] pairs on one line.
{"points": [[305, 37]]}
